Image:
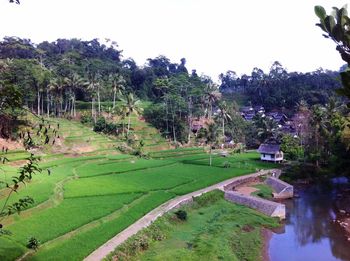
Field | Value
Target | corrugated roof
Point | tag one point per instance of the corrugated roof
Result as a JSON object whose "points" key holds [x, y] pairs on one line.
{"points": [[269, 148]]}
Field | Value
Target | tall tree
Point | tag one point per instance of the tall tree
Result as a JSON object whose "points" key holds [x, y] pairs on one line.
{"points": [[224, 115], [131, 105], [73, 83], [211, 96], [118, 84]]}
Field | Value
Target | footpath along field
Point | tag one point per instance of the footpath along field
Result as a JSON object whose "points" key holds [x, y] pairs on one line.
{"points": [[89, 199]]}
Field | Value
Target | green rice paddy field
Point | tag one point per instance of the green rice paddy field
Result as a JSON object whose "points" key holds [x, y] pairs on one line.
{"points": [[88, 199]]}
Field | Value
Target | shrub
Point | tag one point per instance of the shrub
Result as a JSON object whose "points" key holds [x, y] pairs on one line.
{"points": [[181, 214], [86, 119], [227, 165], [208, 198], [100, 124], [33, 243]]}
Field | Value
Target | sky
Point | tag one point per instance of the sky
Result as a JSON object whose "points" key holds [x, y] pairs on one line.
{"points": [[213, 35]]}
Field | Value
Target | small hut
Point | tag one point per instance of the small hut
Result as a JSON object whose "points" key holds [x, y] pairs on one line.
{"points": [[270, 152]]}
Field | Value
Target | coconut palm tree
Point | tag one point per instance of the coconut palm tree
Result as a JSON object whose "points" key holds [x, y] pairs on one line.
{"points": [[131, 105], [56, 88], [211, 95], [265, 126], [211, 136], [73, 83], [118, 85], [224, 115], [94, 87]]}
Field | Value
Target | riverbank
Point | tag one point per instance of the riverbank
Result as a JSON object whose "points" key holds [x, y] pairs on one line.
{"points": [[215, 229]]}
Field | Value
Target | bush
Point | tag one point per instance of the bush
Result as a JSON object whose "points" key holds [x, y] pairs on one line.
{"points": [[208, 198], [100, 124], [181, 214], [33, 243], [86, 119], [227, 165]]}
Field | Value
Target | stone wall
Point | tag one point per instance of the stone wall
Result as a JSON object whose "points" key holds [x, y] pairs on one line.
{"points": [[267, 207], [247, 179], [283, 189]]}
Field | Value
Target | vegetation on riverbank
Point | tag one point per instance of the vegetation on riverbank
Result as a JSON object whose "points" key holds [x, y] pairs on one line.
{"points": [[214, 230], [264, 191]]}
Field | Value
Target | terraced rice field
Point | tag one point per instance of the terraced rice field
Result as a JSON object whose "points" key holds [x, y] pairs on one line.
{"points": [[146, 132], [89, 199]]}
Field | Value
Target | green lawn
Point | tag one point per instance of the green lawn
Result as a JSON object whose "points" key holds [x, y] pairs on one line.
{"points": [[214, 230], [87, 200]]}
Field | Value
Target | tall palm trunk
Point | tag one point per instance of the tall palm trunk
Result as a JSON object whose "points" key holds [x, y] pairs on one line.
{"points": [[114, 95], [42, 103], [211, 110], [99, 101], [189, 120], [223, 126], [210, 155], [166, 116], [123, 125], [38, 97], [93, 113], [129, 118], [47, 104], [74, 111]]}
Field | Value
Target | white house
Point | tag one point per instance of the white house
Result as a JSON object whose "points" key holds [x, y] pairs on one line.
{"points": [[270, 152]]}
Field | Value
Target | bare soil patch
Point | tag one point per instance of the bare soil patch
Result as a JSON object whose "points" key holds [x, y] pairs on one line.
{"points": [[10, 144]]}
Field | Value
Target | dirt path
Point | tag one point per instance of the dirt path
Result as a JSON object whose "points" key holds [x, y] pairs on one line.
{"points": [[146, 220], [246, 190]]}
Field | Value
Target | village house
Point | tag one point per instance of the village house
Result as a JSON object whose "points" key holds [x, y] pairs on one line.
{"points": [[270, 152], [248, 112]]}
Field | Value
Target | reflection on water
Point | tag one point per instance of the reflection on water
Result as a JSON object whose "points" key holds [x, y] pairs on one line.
{"points": [[309, 232]]}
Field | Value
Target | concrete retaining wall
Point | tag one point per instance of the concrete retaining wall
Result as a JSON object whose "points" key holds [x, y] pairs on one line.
{"points": [[283, 189], [267, 207], [247, 179]]}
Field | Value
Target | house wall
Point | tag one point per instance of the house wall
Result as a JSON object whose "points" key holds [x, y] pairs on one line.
{"points": [[268, 157]]}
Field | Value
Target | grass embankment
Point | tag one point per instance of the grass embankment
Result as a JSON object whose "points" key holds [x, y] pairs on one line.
{"points": [[88, 200], [264, 191], [214, 230]]}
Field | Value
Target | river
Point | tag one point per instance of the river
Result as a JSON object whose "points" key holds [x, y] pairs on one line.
{"points": [[311, 231]]}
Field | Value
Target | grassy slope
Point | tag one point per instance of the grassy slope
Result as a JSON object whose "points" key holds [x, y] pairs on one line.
{"points": [[215, 230]]}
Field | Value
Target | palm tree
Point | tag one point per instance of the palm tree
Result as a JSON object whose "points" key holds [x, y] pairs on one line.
{"points": [[266, 127], [211, 95], [74, 82], [319, 123], [56, 87], [94, 87], [118, 83], [211, 138], [162, 85], [224, 115], [131, 105]]}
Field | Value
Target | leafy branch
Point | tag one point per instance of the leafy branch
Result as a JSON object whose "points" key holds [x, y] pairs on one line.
{"points": [[26, 173]]}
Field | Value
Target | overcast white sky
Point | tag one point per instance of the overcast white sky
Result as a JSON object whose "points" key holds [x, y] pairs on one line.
{"points": [[213, 35]]}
